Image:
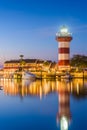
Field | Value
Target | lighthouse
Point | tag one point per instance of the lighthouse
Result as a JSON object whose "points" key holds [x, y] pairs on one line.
{"points": [[64, 38]]}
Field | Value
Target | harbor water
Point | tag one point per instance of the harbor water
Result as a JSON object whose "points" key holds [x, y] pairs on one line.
{"points": [[43, 104]]}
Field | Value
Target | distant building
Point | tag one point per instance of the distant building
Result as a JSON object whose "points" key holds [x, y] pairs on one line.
{"points": [[28, 65]]}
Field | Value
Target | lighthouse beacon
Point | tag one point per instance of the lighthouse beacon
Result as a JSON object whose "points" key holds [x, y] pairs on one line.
{"points": [[63, 37]]}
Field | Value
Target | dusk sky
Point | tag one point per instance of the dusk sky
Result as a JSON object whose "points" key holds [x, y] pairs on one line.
{"points": [[28, 27]]}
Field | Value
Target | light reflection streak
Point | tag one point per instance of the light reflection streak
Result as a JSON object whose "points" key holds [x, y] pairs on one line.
{"points": [[41, 87]]}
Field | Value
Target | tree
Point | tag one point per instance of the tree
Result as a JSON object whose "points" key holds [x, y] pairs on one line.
{"points": [[79, 61], [21, 56], [22, 63]]}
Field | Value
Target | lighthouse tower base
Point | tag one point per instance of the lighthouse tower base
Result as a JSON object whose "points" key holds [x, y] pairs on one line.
{"points": [[64, 68]]}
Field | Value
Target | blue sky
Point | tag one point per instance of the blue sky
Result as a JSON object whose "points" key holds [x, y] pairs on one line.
{"points": [[28, 27]]}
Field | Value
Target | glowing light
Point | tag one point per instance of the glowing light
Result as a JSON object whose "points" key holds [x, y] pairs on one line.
{"points": [[64, 123], [64, 30]]}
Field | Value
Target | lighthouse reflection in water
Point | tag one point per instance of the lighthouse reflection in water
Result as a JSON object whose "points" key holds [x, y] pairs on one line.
{"points": [[64, 115], [46, 104]]}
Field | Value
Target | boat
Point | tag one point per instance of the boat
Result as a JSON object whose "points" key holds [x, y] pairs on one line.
{"points": [[24, 75], [67, 76], [28, 75]]}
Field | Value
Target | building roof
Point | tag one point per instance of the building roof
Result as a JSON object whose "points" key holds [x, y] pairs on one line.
{"points": [[27, 61], [12, 61]]}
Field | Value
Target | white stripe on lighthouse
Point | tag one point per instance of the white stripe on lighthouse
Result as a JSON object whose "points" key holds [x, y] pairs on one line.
{"points": [[64, 44], [63, 57]]}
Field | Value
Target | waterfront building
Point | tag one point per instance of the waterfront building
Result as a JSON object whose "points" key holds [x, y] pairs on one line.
{"points": [[31, 65], [64, 37]]}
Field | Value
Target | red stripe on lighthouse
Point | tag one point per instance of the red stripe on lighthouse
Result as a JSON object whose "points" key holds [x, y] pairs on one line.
{"points": [[62, 39], [63, 62], [63, 50]]}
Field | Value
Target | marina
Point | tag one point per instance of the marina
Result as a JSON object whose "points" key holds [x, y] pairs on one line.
{"points": [[44, 75]]}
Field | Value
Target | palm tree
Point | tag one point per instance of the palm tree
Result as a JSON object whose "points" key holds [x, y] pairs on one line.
{"points": [[22, 62], [21, 56]]}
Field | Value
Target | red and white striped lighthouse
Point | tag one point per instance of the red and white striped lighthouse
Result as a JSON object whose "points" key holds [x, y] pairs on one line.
{"points": [[63, 37]]}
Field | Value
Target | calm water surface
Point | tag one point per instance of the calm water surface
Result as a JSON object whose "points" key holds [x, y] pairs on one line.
{"points": [[43, 105]]}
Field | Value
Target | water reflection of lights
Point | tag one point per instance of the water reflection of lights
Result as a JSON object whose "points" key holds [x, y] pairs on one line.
{"points": [[41, 88], [64, 123], [64, 114]]}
